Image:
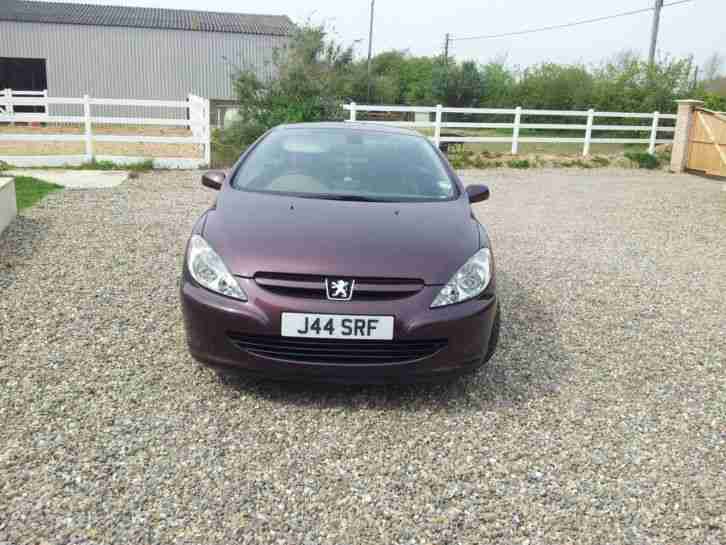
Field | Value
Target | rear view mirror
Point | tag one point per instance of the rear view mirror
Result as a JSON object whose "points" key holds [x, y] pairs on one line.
{"points": [[213, 179], [477, 193]]}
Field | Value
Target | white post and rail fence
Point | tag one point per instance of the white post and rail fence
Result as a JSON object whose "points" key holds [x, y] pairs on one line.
{"points": [[692, 128], [654, 128], [193, 114]]}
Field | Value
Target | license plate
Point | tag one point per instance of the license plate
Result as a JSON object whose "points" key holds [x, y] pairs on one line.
{"points": [[337, 326]]}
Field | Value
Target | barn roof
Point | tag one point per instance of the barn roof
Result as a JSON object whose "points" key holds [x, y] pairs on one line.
{"points": [[123, 16]]}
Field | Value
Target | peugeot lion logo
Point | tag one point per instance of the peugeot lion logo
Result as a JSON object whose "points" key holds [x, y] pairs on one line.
{"points": [[338, 289]]}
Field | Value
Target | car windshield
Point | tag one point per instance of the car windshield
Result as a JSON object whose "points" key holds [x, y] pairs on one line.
{"points": [[346, 164]]}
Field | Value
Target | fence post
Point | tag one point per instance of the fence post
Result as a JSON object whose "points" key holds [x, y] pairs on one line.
{"points": [[588, 132], [192, 109], [207, 133], [515, 131], [88, 131], [437, 126], [352, 112], [653, 133], [684, 120], [9, 109]]}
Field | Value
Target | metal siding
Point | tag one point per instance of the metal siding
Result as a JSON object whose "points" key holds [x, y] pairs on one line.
{"points": [[116, 62]]}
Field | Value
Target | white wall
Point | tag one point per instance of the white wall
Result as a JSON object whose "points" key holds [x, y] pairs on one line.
{"points": [[120, 62]]}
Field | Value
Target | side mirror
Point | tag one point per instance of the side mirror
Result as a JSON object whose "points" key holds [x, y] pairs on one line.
{"points": [[213, 179], [477, 193]]}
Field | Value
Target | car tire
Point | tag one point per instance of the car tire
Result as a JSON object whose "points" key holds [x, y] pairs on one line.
{"points": [[494, 337]]}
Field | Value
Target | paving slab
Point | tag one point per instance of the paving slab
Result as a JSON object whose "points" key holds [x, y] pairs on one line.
{"points": [[76, 179]]}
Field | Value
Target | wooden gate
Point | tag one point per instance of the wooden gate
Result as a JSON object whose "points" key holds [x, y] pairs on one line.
{"points": [[707, 143]]}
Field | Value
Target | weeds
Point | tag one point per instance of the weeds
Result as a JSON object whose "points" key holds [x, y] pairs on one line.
{"points": [[141, 166], [486, 159], [664, 154]]}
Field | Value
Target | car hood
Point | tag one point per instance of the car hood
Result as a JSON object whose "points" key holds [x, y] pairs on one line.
{"points": [[255, 232]]}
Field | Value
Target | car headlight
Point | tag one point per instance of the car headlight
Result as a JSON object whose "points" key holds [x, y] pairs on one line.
{"points": [[208, 269], [470, 280]]}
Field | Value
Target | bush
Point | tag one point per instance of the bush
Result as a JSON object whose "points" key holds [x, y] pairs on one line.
{"points": [[713, 101], [457, 163], [518, 163], [643, 159]]}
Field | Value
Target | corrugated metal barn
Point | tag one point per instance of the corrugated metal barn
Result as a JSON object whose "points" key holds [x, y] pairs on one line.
{"points": [[131, 52]]}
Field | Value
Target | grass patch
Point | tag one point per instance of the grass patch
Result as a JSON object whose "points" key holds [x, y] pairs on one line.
{"points": [[30, 190]]}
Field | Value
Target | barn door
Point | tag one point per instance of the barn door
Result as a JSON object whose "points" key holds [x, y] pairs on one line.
{"points": [[707, 143]]}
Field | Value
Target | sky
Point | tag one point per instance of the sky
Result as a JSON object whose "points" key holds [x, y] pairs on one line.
{"points": [[697, 27]]}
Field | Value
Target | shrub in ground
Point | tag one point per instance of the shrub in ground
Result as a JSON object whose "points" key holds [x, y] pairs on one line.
{"points": [[643, 159], [518, 163]]}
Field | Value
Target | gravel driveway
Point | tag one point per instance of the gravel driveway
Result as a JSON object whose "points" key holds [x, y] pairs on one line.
{"points": [[602, 418]]}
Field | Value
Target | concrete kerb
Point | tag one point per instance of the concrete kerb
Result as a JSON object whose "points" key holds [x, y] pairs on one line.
{"points": [[8, 203]]}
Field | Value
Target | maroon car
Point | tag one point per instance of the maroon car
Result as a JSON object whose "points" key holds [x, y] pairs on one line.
{"points": [[345, 252]]}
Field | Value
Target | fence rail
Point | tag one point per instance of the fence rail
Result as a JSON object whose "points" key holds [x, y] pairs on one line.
{"points": [[38, 99], [653, 129], [194, 116]]}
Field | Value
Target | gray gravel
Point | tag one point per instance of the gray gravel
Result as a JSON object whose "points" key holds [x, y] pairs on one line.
{"points": [[602, 418]]}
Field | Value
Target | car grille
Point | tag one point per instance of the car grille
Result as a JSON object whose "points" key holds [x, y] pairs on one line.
{"points": [[336, 351], [313, 286]]}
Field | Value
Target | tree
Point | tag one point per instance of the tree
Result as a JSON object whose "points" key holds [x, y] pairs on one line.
{"points": [[498, 85], [712, 66], [628, 83], [555, 87], [313, 77]]}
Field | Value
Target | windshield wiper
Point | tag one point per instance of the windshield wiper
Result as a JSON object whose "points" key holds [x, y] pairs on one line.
{"points": [[338, 197]]}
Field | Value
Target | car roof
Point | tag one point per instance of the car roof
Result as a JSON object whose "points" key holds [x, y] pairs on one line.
{"points": [[351, 126]]}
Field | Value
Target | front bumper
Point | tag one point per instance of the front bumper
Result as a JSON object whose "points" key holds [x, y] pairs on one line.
{"points": [[210, 318]]}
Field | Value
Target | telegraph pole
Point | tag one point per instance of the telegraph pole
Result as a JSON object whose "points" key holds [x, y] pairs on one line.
{"points": [[654, 31], [446, 49], [370, 49]]}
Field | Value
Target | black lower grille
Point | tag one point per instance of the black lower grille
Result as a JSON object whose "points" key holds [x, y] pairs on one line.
{"points": [[336, 351]]}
